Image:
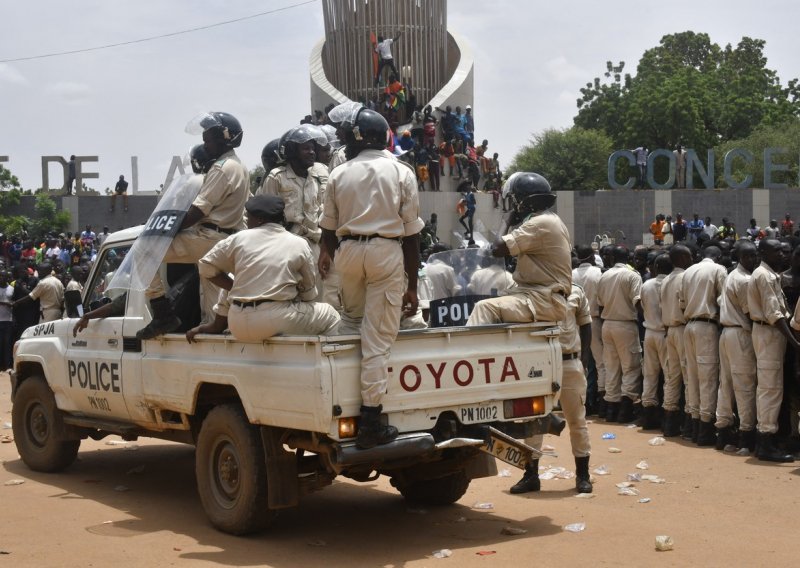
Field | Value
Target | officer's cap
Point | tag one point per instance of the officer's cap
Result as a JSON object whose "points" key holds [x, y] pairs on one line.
{"points": [[265, 207]]}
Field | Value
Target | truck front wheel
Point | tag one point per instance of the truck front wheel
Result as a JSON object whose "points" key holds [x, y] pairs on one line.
{"points": [[440, 491], [39, 427], [231, 472]]}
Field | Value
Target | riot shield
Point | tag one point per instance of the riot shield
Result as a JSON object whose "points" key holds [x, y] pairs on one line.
{"points": [[454, 281], [142, 261]]}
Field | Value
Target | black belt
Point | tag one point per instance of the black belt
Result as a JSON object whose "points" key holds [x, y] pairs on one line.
{"points": [[761, 322], [251, 303], [369, 237], [217, 228], [704, 320], [739, 326], [569, 356]]}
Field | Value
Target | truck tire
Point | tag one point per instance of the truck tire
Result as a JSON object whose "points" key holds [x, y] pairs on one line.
{"points": [[38, 428], [436, 492], [231, 472]]}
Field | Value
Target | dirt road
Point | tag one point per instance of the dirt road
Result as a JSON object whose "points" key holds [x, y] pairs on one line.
{"points": [[134, 504]]}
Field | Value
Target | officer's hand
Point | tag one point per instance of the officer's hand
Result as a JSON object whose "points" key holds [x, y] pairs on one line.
{"points": [[410, 303], [191, 333], [80, 326], [324, 264]]}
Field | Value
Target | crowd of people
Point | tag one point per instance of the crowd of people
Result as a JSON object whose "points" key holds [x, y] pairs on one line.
{"points": [[700, 335], [665, 230]]}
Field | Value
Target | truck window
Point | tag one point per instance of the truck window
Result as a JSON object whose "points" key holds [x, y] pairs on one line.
{"points": [[106, 265]]}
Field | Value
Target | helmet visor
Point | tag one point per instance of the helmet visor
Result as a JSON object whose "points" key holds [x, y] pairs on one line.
{"points": [[201, 123]]}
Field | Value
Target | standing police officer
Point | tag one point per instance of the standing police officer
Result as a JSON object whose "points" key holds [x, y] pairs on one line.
{"points": [[371, 206], [218, 211]]}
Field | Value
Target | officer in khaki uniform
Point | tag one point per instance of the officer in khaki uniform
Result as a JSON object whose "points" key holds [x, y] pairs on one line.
{"points": [[587, 275], [771, 332], [737, 360], [618, 293], [218, 211], [654, 358], [674, 321], [50, 293], [702, 285], [274, 277], [371, 224], [543, 277], [575, 338]]}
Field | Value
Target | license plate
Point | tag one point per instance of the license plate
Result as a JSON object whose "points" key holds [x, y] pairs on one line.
{"points": [[507, 449], [481, 413]]}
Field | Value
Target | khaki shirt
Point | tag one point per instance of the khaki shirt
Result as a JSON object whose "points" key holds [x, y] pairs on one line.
{"points": [[50, 293], [268, 263], [733, 308], [587, 276], [671, 310], [542, 247], [224, 192], [618, 290], [302, 197], [701, 286], [442, 280], [578, 314], [492, 280], [372, 194], [765, 298], [651, 303]]}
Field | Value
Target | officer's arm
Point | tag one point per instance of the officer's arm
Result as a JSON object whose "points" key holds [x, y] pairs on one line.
{"points": [[327, 251], [411, 265], [222, 280], [585, 333], [193, 215], [783, 326]]}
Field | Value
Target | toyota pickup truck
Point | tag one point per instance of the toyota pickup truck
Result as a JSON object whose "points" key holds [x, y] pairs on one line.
{"points": [[276, 420]]}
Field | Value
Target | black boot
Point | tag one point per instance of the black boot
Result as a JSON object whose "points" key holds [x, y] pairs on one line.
{"points": [[747, 439], [650, 418], [686, 428], [530, 481], [612, 410], [582, 481], [164, 320], [672, 423], [768, 452], [371, 431], [601, 404], [724, 437], [695, 429], [625, 411], [706, 434]]}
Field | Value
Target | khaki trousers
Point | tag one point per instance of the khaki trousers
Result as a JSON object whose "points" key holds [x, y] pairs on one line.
{"points": [[189, 246], [676, 368], [623, 359], [701, 341], [289, 318], [573, 401], [522, 306], [597, 352], [654, 360], [769, 345], [737, 378], [372, 293]]}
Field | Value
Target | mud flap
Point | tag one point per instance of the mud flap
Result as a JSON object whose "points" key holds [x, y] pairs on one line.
{"points": [[283, 487]]}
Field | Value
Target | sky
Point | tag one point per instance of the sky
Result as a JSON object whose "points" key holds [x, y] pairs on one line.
{"points": [[531, 59]]}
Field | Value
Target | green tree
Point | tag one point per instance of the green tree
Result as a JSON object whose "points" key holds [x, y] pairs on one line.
{"points": [[570, 159], [47, 218], [10, 192]]}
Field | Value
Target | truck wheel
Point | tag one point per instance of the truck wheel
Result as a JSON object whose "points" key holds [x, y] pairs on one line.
{"points": [[38, 427], [441, 491], [231, 472]]}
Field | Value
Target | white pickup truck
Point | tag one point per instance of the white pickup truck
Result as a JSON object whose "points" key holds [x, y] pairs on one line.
{"points": [[273, 421]]}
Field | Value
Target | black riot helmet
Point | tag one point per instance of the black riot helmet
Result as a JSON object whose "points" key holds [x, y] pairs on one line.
{"points": [[270, 158], [225, 127], [529, 193], [368, 130], [198, 158]]}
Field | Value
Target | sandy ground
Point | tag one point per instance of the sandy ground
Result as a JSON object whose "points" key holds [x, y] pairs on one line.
{"points": [[135, 504]]}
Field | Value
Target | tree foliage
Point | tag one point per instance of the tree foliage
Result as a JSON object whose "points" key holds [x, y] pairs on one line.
{"points": [[690, 91], [571, 159], [47, 218]]}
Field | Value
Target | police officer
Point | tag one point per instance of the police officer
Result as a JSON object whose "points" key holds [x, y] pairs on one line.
{"points": [[216, 213], [618, 294], [270, 157], [371, 213], [274, 277], [575, 340], [587, 275], [655, 342], [771, 332], [543, 277], [50, 293], [702, 285]]}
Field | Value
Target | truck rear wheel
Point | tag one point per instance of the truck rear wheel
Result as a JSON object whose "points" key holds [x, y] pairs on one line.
{"points": [[437, 492], [231, 472], [38, 428]]}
